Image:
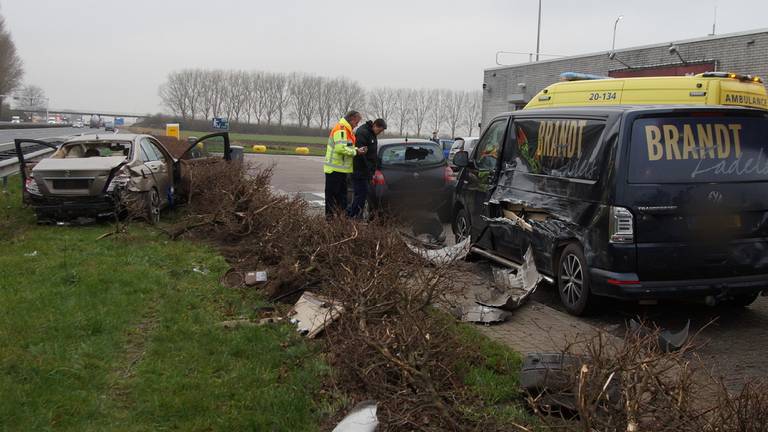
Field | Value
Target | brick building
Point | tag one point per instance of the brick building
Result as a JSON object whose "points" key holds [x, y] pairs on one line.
{"points": [[508, 88]]}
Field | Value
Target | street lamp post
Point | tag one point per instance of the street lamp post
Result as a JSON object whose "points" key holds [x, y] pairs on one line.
{"points": [[613, 44], [538, 33]]}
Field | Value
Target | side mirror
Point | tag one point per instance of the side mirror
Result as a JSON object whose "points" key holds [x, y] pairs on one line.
{"points": [[461, 159]]}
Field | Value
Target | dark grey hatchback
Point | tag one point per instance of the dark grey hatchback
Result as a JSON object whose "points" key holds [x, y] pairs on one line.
{"points": [[411, 175]]}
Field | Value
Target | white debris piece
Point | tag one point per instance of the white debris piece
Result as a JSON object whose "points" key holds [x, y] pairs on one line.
{"points": [[484, 314], [444, 255], [513, 286], [312, 313], [362, 418]]}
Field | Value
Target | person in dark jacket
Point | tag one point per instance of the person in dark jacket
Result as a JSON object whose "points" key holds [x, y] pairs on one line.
{"points": [[365, 165]]}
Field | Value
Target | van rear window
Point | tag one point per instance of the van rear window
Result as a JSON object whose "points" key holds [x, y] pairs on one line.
{"points": [[699, 150]]}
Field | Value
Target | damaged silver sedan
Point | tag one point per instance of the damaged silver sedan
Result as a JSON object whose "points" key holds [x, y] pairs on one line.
{"points": [[99, 176]]}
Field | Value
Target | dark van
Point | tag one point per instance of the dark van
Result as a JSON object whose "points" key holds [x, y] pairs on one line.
{"points": [[629, 202]]}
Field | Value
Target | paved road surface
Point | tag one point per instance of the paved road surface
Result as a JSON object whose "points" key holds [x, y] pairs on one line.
{"points": [[8, 135], [292, 174]]}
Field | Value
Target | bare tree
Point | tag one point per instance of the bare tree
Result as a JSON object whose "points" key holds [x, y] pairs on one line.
{"points": [[350, 96], [420, 107], [32, 98], [277, 98], [381, 102], [436, 112], [173, 94], [401, 109], [10, 64], [325, 102], [472, 105], [454, 108]]}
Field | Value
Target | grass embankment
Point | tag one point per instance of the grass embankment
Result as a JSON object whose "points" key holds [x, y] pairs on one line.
{"points": [[120, 334], [276, 144]]}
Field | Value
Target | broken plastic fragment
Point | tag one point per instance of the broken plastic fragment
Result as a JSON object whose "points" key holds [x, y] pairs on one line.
{"points": [[31, 254], [201, 270], [362, 418], [254, 277], [444, 255], [483, 314], [312, 313], [512, 287]]}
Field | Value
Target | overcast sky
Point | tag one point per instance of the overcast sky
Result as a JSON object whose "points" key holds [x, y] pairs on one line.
{"points": [[113, 55]]}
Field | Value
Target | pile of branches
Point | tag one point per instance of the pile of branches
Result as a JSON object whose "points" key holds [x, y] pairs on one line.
{"points": [[632, 384], [388, 345]]}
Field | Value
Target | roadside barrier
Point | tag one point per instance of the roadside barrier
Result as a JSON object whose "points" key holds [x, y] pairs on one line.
{"points": [[259, 149], [302, 150]]}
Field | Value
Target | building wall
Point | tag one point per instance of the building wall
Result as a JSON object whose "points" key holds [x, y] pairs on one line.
{"points": [[745, 53]]}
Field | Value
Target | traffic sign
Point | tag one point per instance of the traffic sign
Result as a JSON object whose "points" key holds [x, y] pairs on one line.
{"points": [[119, 121], [221, 123]]}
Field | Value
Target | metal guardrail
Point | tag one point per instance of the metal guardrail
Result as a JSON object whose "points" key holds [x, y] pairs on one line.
{"points": [[9, 162]]}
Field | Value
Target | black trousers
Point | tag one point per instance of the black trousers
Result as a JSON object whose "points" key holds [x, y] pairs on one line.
{"points": [[335, 193]]}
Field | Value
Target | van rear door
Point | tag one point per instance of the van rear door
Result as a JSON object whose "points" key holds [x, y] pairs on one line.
{"points": [[697, 185]]}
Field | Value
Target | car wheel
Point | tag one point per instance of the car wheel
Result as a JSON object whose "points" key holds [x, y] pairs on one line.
{"points": [[153, 206], [461, 225], [573, 281]]}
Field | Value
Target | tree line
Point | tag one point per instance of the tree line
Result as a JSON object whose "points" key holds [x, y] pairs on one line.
{"points": [[307, 100], [10, 64]]}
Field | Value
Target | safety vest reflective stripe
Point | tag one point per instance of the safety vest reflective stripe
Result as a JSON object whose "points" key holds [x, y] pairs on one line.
{"points": [[340, 149]]}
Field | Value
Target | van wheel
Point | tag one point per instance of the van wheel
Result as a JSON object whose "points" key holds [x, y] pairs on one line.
{"points": [[573, 281], [461, 225], [153, 206]]}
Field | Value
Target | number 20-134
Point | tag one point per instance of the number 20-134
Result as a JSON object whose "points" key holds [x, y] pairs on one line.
{"points": [[602, 96]]}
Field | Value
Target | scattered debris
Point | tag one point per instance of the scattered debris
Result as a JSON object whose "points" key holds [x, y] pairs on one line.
{"points": [[483, 314], [444, 255], [254, 277], [201, 270], [548, 376], [512, 287], [31, 254], [362, 418], [242, 322], [668, 341], [312, 313]]}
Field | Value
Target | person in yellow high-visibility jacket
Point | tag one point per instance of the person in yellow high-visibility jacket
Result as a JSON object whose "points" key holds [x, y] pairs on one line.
{"points": [[339, 154]]}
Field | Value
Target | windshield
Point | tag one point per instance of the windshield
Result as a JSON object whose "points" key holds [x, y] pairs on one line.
{"points": [[412, 154], [699, 150], [93, 149]]}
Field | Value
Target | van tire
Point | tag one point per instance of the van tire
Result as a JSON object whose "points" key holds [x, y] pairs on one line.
{"points": [[573, 284], [461, 225]]}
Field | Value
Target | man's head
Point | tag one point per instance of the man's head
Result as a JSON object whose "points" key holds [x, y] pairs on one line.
{"points": [[353, 118], [379, 126]]}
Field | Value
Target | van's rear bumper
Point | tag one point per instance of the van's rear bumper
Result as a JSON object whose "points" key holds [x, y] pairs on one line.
{"points": [[627, 286]]}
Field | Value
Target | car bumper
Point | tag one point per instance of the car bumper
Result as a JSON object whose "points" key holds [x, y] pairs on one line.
{"points": [[427, 200], [47, 207], [627, 286]]}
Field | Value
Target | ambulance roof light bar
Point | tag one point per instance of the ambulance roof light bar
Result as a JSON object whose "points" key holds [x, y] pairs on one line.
{"points": [[578, 76], [731, 75]]}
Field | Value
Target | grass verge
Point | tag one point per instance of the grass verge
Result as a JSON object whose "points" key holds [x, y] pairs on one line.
{"points": [[120, 334]]}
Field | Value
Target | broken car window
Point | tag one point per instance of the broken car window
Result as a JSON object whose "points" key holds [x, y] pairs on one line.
{"points": [[422, 154], [560, 147], [487, 154]]}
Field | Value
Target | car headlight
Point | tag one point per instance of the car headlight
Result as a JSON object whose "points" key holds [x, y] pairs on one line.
{"points": [[119, 181], [31, 186]]}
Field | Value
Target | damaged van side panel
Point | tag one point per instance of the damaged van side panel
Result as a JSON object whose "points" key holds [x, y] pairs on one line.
{"points": [[523, 215]]}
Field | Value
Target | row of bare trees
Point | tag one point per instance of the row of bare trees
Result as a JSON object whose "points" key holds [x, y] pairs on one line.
{"points": [[314, 101]]}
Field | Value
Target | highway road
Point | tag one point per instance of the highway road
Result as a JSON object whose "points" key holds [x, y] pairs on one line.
{"points": [[8, 135]]}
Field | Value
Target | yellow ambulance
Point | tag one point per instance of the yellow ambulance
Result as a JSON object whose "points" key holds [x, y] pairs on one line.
{"points": [[709, 88]]}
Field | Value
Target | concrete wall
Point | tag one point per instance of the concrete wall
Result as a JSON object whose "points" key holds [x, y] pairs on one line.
{"points": [[745, 52]]}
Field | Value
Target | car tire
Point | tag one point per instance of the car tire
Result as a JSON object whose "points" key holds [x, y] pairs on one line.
{"points": [[573, 284], [461, 225], [152, 200]]}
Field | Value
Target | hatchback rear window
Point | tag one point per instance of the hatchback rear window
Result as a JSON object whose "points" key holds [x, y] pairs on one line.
{"points": [[699, 150], [412, 154]]}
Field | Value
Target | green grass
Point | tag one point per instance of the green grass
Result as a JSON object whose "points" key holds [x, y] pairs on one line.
{"points": [[120, 334], [495, 379], [287, 139]]}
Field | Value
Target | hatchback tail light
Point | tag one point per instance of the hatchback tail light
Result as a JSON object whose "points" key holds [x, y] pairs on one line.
{"points": [[621, 226], [378, 178], [448, 175]]}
